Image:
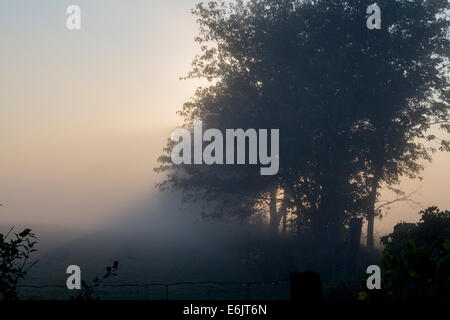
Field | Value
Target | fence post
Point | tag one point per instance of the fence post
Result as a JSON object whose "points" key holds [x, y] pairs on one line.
{"points": [[353, 243], [305, 286]]}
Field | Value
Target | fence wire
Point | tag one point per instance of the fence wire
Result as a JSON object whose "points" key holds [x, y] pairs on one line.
{"points": [[328, 285]]}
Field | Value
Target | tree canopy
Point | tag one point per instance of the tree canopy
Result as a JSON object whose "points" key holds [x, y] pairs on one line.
{"points": [[354, 106]]}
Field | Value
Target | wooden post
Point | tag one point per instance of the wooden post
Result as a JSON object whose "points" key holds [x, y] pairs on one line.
{"points": [[306, 286], [354, 243]]}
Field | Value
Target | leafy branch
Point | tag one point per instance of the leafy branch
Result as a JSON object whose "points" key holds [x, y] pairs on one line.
{"points": [[15, 260], [88, 291]]}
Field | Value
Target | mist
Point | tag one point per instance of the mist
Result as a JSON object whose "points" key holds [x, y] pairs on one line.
{"points": [[83, 119]]}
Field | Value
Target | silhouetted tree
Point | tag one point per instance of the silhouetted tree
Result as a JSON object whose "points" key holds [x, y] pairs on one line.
{"points": [[352, 104]]}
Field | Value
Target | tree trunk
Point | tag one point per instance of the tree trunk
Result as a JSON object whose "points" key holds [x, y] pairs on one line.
{"points": [[353, 244], [274, 217], [283, 212], [370, 230], [371, 214], [284, 223]]}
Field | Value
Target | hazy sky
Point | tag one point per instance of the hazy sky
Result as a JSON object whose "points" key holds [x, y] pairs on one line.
{"points": [[84, 114]]}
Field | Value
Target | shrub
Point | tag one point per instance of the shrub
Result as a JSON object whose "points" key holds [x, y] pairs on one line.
{"points": [[15, 261], [416, 259]]}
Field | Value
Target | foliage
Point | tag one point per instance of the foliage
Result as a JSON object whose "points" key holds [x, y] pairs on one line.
{"points": [[416, 259], [420, 271], [434, 225], [88, 291], [15, 254], [353, 105]]}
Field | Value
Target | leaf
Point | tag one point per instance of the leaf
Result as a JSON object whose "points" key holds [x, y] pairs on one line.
{"points": [[25, 232], [446, 244]]}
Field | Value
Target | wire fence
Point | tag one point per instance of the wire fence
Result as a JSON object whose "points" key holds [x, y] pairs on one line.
{"points": [[278, 289]]}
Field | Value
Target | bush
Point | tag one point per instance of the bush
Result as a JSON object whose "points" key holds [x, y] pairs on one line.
{"points": [[416, 259], [433, 225], [420, 271], [15, 260]]}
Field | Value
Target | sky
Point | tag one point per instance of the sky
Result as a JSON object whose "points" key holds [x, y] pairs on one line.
{"points": [[84, 114]]}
